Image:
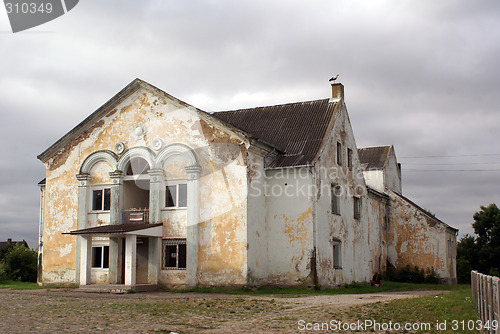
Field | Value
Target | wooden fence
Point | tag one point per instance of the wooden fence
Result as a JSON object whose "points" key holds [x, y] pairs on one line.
{"points": [[486, 294]]}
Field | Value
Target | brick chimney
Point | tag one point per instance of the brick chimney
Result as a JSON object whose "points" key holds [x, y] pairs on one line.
{"points": [[337, 92]]}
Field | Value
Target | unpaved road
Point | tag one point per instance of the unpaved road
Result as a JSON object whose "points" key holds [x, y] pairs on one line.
{"points": [[71, 311]]}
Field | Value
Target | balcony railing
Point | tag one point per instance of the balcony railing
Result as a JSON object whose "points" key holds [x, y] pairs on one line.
{"points": [[136, 216]]}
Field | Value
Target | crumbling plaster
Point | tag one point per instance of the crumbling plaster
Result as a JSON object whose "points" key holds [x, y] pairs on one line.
{"points": [[221, 155]]}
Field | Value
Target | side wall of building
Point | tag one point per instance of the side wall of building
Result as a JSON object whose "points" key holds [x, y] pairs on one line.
{"points": [[415, 238], [342, 231], [289, 226]]}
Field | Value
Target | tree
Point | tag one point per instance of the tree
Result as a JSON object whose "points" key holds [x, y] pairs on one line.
{"points": [[20, 262], [480, 252]]}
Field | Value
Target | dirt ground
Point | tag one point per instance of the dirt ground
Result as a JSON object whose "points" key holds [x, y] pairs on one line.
{"points": [[71, 311]]}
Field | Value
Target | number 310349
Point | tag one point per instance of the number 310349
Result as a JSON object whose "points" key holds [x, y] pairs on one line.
{"points": [[28, 8]]}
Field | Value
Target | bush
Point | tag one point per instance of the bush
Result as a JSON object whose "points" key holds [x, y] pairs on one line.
{"points": [[3, 273], [20, 263], [411, 274]]}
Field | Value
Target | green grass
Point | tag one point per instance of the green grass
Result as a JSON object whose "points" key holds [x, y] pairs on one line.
{"points": [[18, 285], [450, 309], [301, 291]]}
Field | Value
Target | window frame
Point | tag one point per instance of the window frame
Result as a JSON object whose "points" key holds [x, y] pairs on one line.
{"points": [[349, 158], [181, 247], [337, 253], [103, 261], [335, 203], [356, 203], [177, 185], [102, 189], [339, 153]]}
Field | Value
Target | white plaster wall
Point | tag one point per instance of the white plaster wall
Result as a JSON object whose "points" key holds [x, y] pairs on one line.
{"points": [[353, 233], [392, 176], [289, 226], [257, 234], [375, 179]]}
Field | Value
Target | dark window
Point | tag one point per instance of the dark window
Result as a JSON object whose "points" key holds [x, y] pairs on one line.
{"points": [[96, 257], [101, 199], [349, 159], [336, 191], [174, 254], [176, 196], [337, 254], [97, 200], [339, 154], [357, 207], [105, 257], [107, 199], [100, 257], [171, 197]]}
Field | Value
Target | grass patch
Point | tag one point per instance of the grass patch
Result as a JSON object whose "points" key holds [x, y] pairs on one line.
{"points": [[18, 285], [355, 288], [450, 309]]}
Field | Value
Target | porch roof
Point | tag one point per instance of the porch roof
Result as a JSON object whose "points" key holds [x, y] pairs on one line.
{"points": [[152, 230]]}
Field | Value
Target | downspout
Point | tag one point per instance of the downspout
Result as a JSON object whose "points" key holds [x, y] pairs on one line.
{"points": [[314, 270], [40, 235]]}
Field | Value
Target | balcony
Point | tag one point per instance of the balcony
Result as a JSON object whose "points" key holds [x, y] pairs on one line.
{"points": [[136, 216]]}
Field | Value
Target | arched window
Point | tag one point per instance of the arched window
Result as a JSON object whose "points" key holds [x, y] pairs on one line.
{"points": [[137, 166]]}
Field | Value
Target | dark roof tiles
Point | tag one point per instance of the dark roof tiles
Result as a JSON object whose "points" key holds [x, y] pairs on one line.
{"points": [[297, 129], [374, 157]]}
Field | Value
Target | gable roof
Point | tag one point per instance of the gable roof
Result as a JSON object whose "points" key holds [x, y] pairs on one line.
{"points": [[112, 103], [374, 157], [297, 129]]}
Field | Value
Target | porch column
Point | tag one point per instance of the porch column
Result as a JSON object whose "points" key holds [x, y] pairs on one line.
{"points": [[193, 216], [130, 259], [81, 218], [115, 217], [85, 258], [154, 251]]}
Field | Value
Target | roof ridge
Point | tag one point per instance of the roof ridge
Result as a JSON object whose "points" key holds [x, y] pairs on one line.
{"points": [[272, 106]]}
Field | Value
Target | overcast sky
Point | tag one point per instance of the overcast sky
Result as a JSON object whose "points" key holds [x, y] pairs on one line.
{"points": [[421, 75]]}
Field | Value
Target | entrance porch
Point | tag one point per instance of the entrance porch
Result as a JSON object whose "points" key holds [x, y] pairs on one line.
{"points": [[134, 256]]}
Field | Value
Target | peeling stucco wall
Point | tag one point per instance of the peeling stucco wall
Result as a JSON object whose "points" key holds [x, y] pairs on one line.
{"points": [[351, 232], [417, 239], [223, 180]]}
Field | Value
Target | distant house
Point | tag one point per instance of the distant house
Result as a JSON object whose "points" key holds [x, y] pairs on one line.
{"points": [[5, 244], [149, 190]]}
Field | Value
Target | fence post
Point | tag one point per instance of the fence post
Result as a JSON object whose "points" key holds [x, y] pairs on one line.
{"points": [[480, 296], [496, 302], [473, 284], [489, 301]]}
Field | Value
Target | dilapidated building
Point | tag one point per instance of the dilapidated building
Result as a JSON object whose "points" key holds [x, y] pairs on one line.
{"points": [[149, 190]]}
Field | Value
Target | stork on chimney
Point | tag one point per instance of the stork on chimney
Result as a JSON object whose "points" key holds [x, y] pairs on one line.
{"points": [[332, 79]]}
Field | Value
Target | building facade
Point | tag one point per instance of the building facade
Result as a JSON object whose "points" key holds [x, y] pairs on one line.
{"points": [[149, 190]]}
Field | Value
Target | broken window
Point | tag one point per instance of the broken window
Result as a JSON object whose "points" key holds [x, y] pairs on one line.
{"points": [[349, 159], [339, 154], [357, 207], [174, 254], [176, 196], [100, 257], [337, 256], [336, 191], [101, 199]]}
